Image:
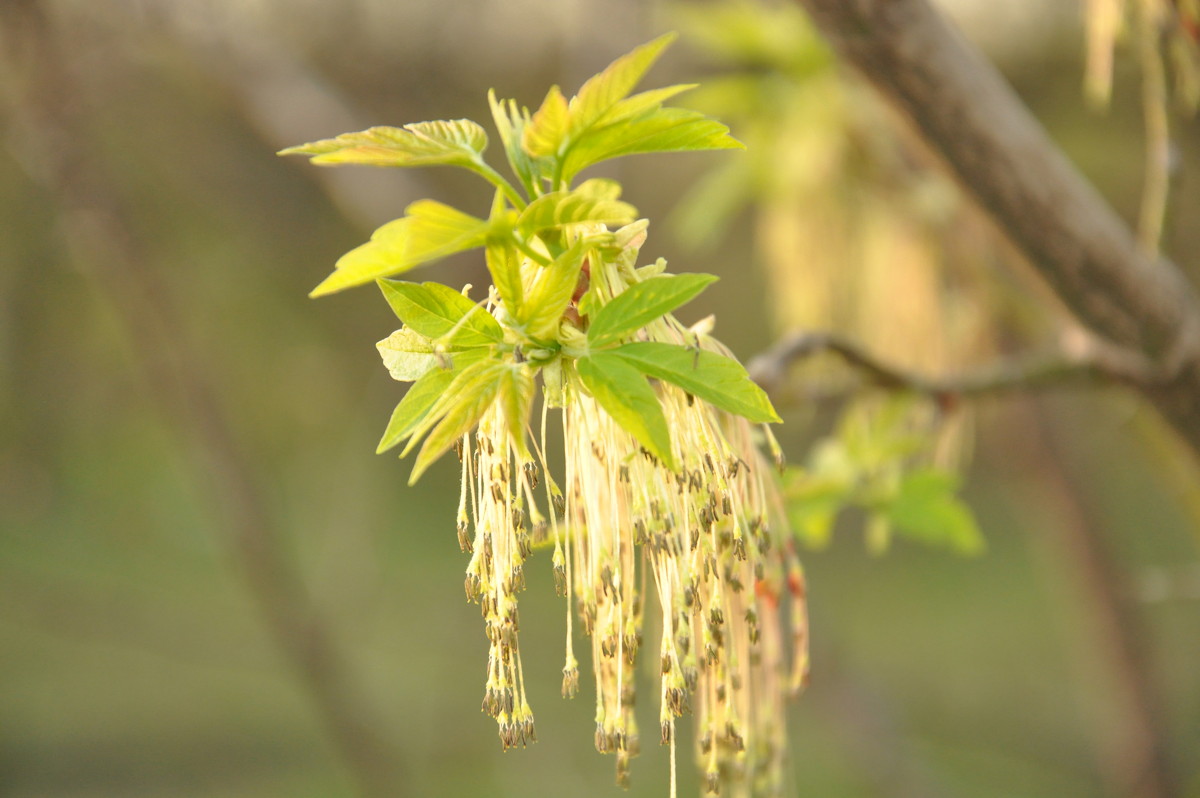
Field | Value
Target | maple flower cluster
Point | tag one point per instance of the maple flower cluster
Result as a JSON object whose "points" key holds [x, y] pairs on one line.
{"points": [[662, 490], [700, 538]]}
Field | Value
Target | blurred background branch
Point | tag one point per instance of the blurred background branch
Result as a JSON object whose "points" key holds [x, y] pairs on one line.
{"points": [[49, 110], [1002, 157], [1093, 368]]}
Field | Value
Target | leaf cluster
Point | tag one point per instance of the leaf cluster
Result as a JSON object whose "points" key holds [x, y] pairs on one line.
{"points": [[867, 464], [541, 239]]}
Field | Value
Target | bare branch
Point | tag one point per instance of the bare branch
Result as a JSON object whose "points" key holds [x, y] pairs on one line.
{"points": [[966, 112], [1098, 366]]}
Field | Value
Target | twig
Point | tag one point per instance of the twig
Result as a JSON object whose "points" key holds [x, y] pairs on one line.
{"points": [[965, 111], [48, 108], [1157, 180], [1100, 366]]}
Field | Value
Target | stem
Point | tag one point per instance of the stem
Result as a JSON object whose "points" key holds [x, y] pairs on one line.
{"points": [[558, 182], [489, 174], [529, 251]]}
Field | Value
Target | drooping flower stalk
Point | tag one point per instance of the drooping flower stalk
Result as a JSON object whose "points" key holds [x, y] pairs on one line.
{"points": [[697, 541]]}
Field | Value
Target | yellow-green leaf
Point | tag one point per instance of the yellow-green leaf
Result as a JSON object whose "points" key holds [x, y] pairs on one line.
{"points": [[407, 354], [504, 265], [642, 303], [926, 508], [628, 398], [599, 188], [516, 395], [548, 128], [429, 231], [421, 397], [458, 142], [438, 230], [560, 208], [459, 409], [613, 84], [502, 257], [664, 130], [718, 380], [441, 314], [511, 123], [641, 103], [550, 292]]}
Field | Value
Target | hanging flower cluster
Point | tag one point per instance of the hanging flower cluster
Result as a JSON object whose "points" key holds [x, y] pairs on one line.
{"points": [[663, 492]]}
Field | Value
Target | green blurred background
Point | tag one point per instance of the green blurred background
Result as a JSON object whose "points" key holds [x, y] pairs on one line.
{"points": [[210, 586]]}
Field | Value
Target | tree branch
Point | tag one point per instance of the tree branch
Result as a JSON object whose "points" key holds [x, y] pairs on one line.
{"points": [[966, 112], [1099, 366]]}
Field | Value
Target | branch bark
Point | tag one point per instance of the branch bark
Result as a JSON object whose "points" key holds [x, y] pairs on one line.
{"points": [[990, 141], [1101, 366]]}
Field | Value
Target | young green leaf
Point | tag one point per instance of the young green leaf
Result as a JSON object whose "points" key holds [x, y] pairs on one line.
{"points": [[407, 354], [664, 130], [550, 293], [421, 396], [926, 508], [429, 231], [548, 128], [613, 84], [628, 398], [516, 396], [504, 265], [458, 142], [718, 380], [812, 509], [623, 248], [818, 493], [643, 303], [560, 208], [641, 103], [442, 314], [502, 256], [599, 188], [459, 409], [437, 230], [384, 254], [552, 383], [510, 124], [468, 379]]}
